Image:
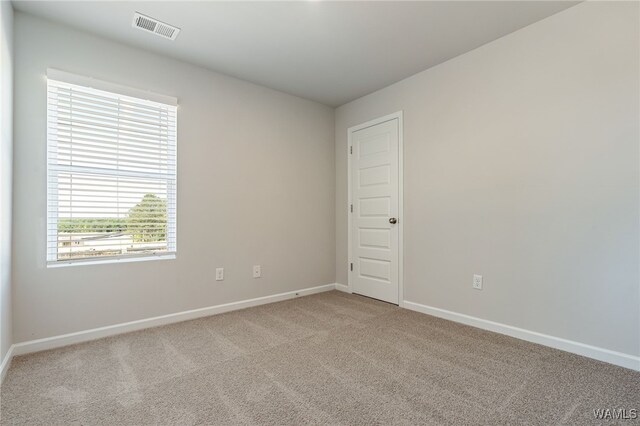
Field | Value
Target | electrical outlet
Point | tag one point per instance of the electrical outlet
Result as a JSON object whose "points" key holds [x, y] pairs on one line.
{"points": [[219, 274], [257, 271], [477, 282]]}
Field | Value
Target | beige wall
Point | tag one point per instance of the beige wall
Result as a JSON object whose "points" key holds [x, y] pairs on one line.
{"points": [[6, 160], [255, 186], [522, 164]]}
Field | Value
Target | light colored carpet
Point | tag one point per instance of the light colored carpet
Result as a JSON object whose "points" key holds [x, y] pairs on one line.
{"points": [[330, 358]]}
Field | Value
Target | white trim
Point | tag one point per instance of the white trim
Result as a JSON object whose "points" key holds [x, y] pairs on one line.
{"points": [[396, 115], [6, 363], [343, 288], [80, 80], [400, 209], [111, 330], [63, 115], [601, 354], [111, 259]]}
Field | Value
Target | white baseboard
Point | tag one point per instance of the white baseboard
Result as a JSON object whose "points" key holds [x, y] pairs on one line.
{"points": [[6, 363], [612, 357], [601, 354], [111, 330], [342, 287]]}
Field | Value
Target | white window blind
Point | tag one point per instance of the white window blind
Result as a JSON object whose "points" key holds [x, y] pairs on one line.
{"points": [[111, 175]]}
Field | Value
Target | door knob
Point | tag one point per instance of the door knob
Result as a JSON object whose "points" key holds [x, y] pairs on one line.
{"points": [[393, 220]]}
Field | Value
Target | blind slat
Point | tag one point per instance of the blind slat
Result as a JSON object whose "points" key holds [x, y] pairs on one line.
{"points": [[62, 88], [91, 124], [63, 104], [94, 143], [71, 155], [101, 171], [72, 110], [99, 136]]}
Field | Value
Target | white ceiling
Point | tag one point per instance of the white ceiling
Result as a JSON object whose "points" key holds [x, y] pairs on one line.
{"points": [[330, 52]]}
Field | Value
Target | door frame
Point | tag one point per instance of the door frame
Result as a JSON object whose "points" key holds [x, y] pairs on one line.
{"points": [[396, 115]]}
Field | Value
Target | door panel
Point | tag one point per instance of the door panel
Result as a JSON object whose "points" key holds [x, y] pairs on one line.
{"points": [[374, 168]]}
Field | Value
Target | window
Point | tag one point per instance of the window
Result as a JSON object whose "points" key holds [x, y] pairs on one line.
{"points": [[111, 171]]}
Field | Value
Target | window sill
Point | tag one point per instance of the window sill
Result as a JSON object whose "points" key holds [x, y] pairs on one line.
{"points": [[110, 260]]}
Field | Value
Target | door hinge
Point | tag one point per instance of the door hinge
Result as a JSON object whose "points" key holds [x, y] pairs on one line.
{"points": [[351, 208], [351, 149], [351, 267]]}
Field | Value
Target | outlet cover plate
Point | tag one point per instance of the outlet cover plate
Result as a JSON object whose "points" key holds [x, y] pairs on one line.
{"points": [[257, 271], [477, 282]]}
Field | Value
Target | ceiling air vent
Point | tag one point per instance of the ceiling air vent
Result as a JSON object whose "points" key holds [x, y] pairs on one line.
{"points": [[152, 25]]}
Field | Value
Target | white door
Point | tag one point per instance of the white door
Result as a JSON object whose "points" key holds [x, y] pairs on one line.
{"points": [[374, 219]]}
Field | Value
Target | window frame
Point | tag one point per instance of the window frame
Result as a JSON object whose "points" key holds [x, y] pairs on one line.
{"points": [[52, 186]]}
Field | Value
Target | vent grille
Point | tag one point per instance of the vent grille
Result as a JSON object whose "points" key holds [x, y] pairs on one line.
{"points": [[152, 25]]}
